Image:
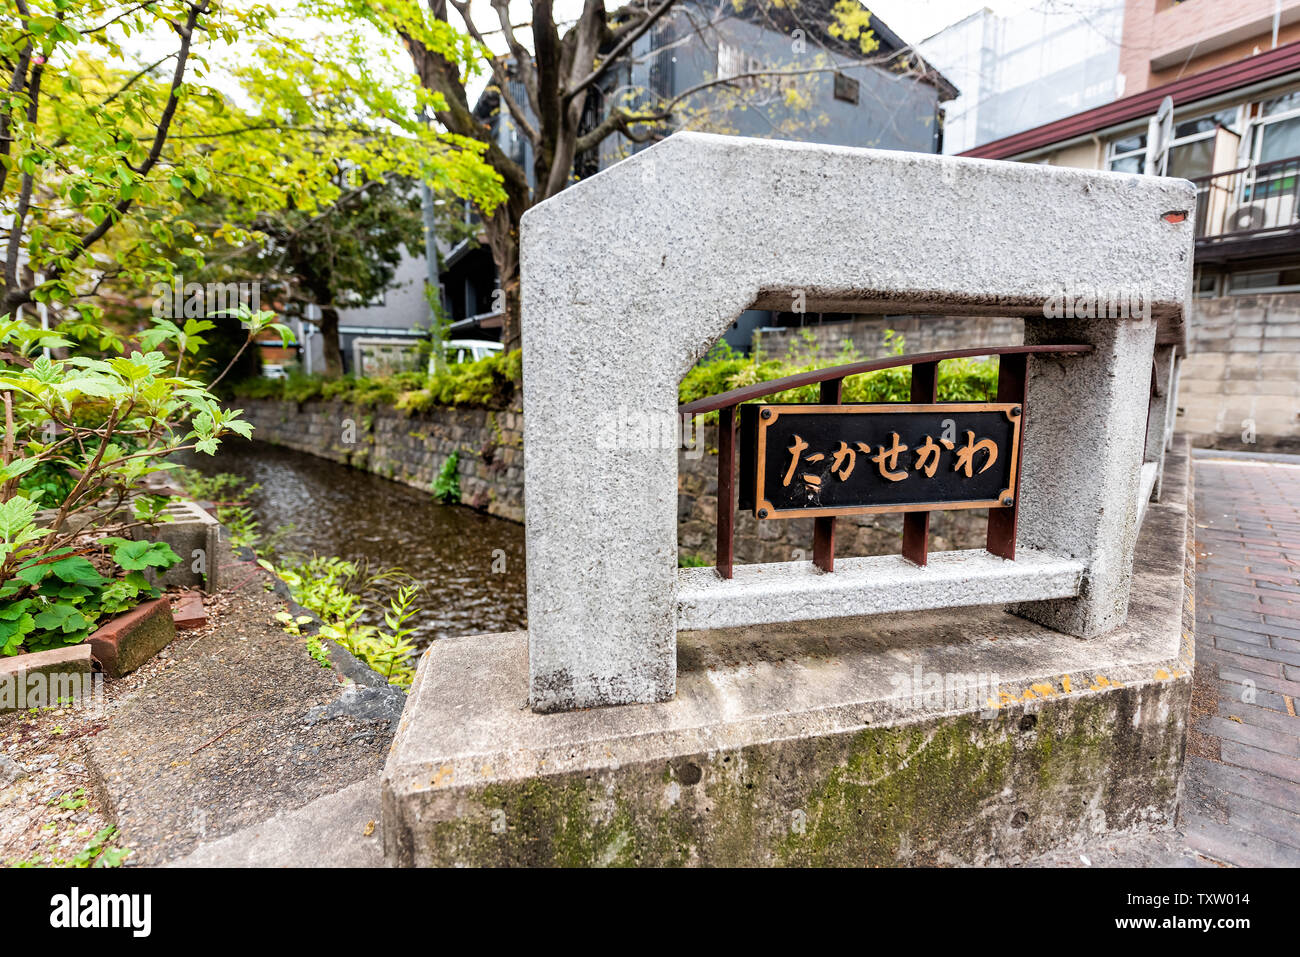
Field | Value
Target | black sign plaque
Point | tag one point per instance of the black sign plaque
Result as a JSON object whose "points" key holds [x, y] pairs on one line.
{"points": [[823, 460]]}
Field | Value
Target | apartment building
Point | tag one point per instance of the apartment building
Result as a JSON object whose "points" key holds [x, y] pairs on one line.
{"points": [[1214, 97]]}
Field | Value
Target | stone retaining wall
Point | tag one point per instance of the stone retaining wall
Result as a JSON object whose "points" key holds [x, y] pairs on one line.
{"points": [[407, 448], [412, 449], [1240, 387], [867, 334]]}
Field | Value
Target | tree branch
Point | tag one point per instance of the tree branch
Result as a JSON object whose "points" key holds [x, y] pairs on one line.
{"points": [[15, 297], [501, 75], [16, 83], [523, 60], [16, 227], [612, 56]]}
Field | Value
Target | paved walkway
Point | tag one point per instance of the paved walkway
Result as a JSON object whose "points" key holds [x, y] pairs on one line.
{"points": [[1242, 801]]}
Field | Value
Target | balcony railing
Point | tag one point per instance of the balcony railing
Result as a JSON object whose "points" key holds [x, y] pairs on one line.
{"points": [[1252, 201]]}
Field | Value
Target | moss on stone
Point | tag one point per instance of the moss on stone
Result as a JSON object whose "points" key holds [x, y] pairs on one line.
{"points": [[951, 788]]}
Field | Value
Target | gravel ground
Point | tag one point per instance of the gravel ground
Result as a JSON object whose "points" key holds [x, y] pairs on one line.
{"points": [[50, 808], [230, 725]]}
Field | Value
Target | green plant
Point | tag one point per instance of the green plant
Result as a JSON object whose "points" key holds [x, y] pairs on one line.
{"points": [[242, 526], [341, 593], [446, 487], [60, 598], [88, 432], [389, 651], [692, 561], [486, 383], [219, 487], [101, 851], [721, 370], [229, 491], [111, 423], [318, 651]]}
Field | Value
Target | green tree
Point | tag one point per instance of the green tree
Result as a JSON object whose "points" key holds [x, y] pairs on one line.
{"points": [[103, 149], [559, 84], [345, 254]]}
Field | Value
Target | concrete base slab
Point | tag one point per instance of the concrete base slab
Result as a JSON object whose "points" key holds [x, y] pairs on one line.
{"points": [[337, 830], [969, 737]]}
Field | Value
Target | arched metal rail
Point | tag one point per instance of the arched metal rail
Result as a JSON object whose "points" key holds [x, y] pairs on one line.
{"points": [[1012, 369]]}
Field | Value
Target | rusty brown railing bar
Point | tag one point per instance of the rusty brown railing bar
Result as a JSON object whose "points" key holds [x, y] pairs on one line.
{"points": [[726, 491], [1012, 375], [916, 525], [758, 390], [824, 526]]}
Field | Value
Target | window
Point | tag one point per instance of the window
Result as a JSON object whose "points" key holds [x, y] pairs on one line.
{"points": [[1129, 154], [1191, 151], [846, 88], [1273, 280], [1277, 129]]}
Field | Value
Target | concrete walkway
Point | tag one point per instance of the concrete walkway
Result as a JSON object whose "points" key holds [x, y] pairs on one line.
{"points": [[1242, 798]]}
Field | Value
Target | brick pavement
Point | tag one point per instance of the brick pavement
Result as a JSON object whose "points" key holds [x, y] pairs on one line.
{"points": [[1242, 799]]}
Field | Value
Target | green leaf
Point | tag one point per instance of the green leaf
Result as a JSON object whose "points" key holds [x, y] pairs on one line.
{"points": [[62, 617], [77, 570], [136, 556], [16, 515]]}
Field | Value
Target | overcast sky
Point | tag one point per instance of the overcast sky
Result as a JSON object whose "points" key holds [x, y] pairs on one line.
{"points": [[915, 20]]}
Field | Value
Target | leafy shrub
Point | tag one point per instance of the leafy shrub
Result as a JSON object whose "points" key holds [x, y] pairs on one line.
{"points": [[960, 380], [220, 487], [81, 435], [488, 383], [60, 599], [446, 487], [341, 593]]}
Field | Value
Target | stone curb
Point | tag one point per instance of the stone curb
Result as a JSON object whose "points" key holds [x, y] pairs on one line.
{"points": [[58, 663], [127, 641]]}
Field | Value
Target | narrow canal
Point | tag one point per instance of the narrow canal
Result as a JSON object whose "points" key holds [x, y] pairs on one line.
{"points": [[470, 565]]}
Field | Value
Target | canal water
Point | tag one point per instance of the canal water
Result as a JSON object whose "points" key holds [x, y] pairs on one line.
{"points": [[470, 565]]}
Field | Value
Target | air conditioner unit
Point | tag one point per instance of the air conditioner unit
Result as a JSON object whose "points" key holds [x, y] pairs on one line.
{"points": [[1276, 212]]}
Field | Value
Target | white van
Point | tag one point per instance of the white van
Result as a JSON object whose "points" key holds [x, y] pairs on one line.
{"points": [[467, 350]]}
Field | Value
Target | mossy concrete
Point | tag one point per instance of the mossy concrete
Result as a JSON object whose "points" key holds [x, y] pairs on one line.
{"points": [[952, 790], [815, 743]]}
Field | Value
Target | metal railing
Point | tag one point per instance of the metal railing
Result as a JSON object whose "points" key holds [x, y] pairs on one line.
{"points": [[1250, 201], [1012, 375]]}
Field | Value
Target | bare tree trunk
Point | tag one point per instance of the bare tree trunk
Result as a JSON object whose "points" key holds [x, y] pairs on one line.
{"points": [[503, 240], [329, 335]]}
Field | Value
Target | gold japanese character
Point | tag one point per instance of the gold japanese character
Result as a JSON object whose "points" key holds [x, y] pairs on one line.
{"points": [[795, 451], [887, 459], [966, 455], [927, 457], [842, 453]]}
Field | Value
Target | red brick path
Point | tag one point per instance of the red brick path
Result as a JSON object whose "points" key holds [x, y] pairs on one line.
{"points": [[1245, 807]]}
